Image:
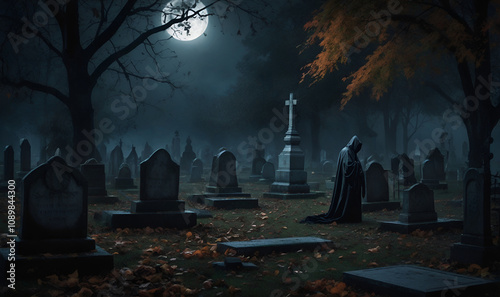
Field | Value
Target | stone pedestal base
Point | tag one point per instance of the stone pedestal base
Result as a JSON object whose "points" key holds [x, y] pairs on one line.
{"points": [[168, 219], [381, 205], [200, 198], [282, 187], [473, 254], [54, 246], [232, 203], [139, 206], [407, 228], [37, 266], [216, 190]]}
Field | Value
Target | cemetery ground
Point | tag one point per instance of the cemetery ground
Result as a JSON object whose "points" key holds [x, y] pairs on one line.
{"points": [[170, 262]]}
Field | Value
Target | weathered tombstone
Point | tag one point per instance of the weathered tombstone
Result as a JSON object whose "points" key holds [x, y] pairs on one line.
{"points": [[159, 205], [53, 232], [268, 172], [25, 158], [196, 171], [146, 152], [407, 170], [222, 190], [418, 212], [115, 161], [377, 189], [94, 173], [291, 179], [395, 165], [124, 179], [176, 147], [476, 241], [433, 170], [132, 161], [187, 156], [328, 168], [257, 164], [8, 161], [223, 178]]}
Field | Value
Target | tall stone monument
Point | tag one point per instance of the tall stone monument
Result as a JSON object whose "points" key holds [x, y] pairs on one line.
{"points": [[291, 179]]}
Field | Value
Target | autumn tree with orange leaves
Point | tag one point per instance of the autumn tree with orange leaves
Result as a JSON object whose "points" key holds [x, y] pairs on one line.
{"points": [[402, 37]]}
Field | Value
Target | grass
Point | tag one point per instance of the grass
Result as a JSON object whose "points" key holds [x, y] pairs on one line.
{"points": [[357, 246]]}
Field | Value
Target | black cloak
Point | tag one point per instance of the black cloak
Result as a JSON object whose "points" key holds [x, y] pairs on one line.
{"points": [[348, 189]]}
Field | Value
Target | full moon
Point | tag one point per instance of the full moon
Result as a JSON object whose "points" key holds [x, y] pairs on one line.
{"points": [[189, 29]]}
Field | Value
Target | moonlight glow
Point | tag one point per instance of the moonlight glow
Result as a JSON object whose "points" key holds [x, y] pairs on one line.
{"points": [[189, 29]]}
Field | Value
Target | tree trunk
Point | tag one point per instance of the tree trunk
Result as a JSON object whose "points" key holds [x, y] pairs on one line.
{"points": [[390, 129]]}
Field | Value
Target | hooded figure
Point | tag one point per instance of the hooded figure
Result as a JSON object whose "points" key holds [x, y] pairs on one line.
{"points": [[348, 190]]}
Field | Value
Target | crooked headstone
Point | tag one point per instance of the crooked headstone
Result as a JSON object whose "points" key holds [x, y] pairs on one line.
{"points": [[124, 179], [291, 179], [257, 164], [418, 212], [433, 170], [132, 161], [53, 232], [196, 171], [475, 245], [377, 189], [187, 156], [94, 173], [223, 190], [159, 205], [328, 168]]}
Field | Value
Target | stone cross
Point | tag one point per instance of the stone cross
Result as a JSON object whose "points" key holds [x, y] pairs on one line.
{"points": [[290, 102]]}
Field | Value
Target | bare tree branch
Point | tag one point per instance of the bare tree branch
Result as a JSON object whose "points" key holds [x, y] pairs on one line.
{"points": [[37, 87]]}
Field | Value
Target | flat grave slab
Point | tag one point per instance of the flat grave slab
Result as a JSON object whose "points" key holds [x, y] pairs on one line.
{"points": [[288, 196], [201, 213], [279, 245], [232, 203], [406, 228], [200, 198], [376, 206], [415, 281], [167, 219]]}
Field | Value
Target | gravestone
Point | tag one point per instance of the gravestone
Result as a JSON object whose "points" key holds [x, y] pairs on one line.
{"points": [[395, 165], [94, 173], [268, 172], [146, 152], [418, 212], [8, 161], [58, 152], [377, 189], [115, 161], [132, 161], [124, 179], [291, 178], [187, 156], [53, 231], [176, 147], [433, 170], [25, 157], [257, 164], [406, 170], [196, 171], [416, 281], [159, 205], [475, 244], [328, 168], [278, 245], [222, 190]]}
